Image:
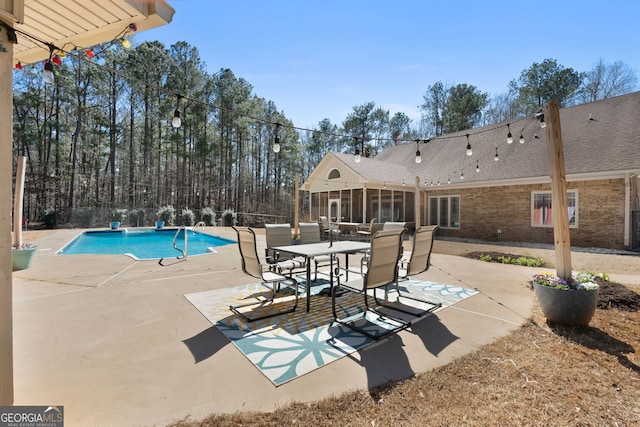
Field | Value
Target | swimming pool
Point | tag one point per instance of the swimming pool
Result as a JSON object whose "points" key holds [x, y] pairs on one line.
{"points": [[142, 243]]}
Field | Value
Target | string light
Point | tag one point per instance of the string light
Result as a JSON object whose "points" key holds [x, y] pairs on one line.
{"points": [[276, 140], [462, 174], [496, 158], [47, 73], [469, 150], [509, 137], [477, 165], [176, 122], [522, 136], [418, 157], [358, 157]]}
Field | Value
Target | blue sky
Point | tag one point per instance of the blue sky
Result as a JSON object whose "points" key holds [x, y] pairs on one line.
{"points": [[319, 59]]}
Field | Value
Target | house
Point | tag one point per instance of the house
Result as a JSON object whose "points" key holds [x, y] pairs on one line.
{"points": [[502, 190]]}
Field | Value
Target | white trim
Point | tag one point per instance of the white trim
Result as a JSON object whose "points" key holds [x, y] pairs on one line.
{"points": [[627, 210]]}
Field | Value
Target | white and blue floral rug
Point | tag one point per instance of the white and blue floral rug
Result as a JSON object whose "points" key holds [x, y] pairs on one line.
{"points": [[290, 345]]}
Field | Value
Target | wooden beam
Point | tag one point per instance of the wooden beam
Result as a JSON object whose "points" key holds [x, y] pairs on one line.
{"points": [[6, 159], [560, 213]]}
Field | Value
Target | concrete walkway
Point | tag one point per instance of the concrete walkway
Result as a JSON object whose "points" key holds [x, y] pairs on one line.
{"points": [[115, 342]]}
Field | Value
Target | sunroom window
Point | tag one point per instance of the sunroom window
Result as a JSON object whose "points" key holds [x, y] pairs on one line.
{"points": [[444, 211]]}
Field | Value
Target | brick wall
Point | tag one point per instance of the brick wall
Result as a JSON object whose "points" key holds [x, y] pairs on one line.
{"points": [[485, 210]]}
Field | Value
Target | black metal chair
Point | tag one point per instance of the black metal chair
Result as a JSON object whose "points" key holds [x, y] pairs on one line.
{"points": [[382, 271], [252, 266]]}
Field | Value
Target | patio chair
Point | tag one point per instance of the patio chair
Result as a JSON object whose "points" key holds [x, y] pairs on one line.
{"points": [[385, 227], [280, 235], [367, 232], [252, 266], [310, 233], [420, 258], [324, 226], [385, 253]]}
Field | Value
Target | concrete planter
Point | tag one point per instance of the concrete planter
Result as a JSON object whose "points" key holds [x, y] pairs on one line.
{"points": [[567, 307], [21, 258]]}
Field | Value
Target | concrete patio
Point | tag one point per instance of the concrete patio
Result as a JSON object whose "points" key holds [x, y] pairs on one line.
{"points": [[115, 342]]}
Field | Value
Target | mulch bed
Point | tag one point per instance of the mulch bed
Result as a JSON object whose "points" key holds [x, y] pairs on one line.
{"points": [[611, 296]]}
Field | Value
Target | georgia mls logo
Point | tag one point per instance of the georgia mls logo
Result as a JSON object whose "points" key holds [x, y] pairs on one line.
{"points": [[31, 416]]}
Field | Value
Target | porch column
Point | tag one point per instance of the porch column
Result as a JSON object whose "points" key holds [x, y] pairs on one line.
{"points": [[364, 205], [416, 203], [6, 158]]}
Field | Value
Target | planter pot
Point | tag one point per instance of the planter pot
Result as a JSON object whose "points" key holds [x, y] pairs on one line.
{"points": [[159, 224], [21, 258], [567, 307], [114, 225]]}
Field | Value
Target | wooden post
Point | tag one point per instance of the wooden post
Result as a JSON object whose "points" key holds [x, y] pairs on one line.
{"points": [[560, 213], [18, 201], [6, 160]]}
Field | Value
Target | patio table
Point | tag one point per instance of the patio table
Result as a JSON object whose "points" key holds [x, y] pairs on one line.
{"points": [[311, 250]]}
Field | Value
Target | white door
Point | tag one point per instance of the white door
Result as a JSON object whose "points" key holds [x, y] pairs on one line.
{"points": [[334, 210]]}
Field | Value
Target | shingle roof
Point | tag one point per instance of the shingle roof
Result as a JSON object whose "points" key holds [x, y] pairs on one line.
{"points": [[609, 142]]}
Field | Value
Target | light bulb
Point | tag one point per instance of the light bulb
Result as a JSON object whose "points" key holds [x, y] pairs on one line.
{"points": [[509, 138], [469, 150], [276, 147], [521, 139], [543, 124], [56, 60], [358, 158], [126, 43], [47, 74], [418, 157], [477, 166], [496, 158], [176, 122]]}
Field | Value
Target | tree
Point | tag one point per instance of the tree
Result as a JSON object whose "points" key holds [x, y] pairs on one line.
{"points": [[605, 81], [433, 107], [463, 107], [544, 82], [368, 123], [400, 127]]}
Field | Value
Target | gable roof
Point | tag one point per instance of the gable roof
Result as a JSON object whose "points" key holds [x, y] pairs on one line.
{"points": [[608, 142], [600, 139]]}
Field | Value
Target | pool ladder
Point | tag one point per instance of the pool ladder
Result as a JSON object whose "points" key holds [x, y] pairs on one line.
{"points": [[184, 252]]}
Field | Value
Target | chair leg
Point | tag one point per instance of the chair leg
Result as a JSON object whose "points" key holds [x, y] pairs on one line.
{"points": [[276, 285], [397, 324], [398, 306]]}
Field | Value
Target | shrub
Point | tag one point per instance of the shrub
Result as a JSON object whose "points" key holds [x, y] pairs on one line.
{"points": [[188, 217], [167, 214], [137, 217], [208, 216], [229, 218], [50, 218], [118, 215], [84, 217]]}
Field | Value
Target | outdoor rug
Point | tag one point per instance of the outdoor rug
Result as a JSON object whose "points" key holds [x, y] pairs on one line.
{"points": [[287, 346]]}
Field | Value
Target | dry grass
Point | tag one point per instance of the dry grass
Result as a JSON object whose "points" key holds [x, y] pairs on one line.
{"points": [[541, 375]]}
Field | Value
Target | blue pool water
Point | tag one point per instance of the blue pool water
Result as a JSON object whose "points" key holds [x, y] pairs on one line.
{"points": [[142, 243]]}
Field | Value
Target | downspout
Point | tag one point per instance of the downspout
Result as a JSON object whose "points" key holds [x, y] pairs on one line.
{"points": [[627, 210]]}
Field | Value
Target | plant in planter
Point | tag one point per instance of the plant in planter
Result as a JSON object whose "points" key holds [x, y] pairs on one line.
{"points": [[21, 255], [117, 217], [166, 216], [570, 302]]}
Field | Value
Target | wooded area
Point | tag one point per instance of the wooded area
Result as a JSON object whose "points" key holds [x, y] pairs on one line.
{"points": [[100, 137]]}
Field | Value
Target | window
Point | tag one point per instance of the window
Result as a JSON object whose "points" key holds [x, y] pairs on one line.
{"points": [[334, 174], [541, 208], [444, 211]]}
